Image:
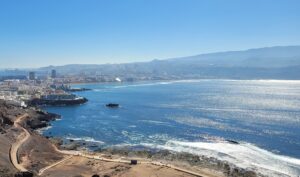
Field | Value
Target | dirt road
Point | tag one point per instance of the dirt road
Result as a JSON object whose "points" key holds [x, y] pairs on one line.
{"points": [[23, 137]]}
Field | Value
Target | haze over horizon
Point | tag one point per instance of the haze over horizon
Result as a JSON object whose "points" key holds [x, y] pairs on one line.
{"points": [[44, 33], [151, 60]]}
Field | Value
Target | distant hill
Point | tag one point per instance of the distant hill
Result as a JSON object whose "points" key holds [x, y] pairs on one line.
{"points": [[261, 57], [282, 62]]}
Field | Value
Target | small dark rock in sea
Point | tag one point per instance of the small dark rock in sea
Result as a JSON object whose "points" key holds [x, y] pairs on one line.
{"points": [[232, 142], [112, 105]]}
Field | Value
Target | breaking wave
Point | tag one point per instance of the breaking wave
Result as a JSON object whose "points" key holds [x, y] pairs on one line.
{"points": [[86, 139], [243, 155], [42, 130]]}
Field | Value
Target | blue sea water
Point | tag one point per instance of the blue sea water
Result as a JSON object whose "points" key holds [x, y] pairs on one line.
{"points": [[195, 116]]}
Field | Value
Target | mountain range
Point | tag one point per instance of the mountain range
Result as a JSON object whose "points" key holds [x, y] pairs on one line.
{"points": [[280, 62]]}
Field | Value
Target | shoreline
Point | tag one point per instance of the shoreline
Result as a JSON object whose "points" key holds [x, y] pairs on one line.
{"points": [[160, 157], [158, 154], [188, 161], [147, 151], [194, 154], [41, 156]]}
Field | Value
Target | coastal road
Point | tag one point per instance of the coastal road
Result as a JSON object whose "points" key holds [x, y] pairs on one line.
{"points": [[23, 137]]}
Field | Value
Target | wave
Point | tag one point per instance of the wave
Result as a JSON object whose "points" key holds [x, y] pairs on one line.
{"points": [[157, 83], [42, 130], [243, 155], [153, 122], [86, 139]]}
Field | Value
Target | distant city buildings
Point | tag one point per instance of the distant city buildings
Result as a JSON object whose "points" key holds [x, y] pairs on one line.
{"points": [[22, 92], [53, 73], [31, 76]]}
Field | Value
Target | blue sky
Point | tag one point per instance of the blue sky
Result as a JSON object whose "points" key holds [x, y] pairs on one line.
{"points": [[56, 32]]}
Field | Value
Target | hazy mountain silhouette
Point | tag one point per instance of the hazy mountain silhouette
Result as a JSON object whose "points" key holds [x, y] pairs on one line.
{"points": [[282, 62]]}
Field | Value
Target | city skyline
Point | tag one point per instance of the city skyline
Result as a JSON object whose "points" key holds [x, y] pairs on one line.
{"points": [[43, 33]]}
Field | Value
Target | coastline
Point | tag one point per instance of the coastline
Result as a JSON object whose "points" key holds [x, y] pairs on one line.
{"points": [[160, 157], [42, 159], [130, 152], [52, 158]]}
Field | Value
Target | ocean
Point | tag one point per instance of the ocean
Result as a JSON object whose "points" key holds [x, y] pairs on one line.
{"points": [[196, 116]]}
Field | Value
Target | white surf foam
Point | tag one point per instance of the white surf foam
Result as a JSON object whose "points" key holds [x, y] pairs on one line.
{"points": [[243, 155], [156, 83], [154, 122], [42, 130], [87, 139]]}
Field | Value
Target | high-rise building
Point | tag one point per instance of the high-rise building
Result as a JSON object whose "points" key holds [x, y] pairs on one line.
{"points": [[31, 75], [53, 73]]}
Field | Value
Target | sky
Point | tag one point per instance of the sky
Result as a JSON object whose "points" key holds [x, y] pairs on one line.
{"points": [[57, 32]]}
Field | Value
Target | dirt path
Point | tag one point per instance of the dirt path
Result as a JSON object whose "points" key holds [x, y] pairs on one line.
{"points": [[55, 164], [23, 137], [97, 157]]}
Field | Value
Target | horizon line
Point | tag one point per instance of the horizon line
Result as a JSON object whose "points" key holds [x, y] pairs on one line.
{"points": [[242, 50]]}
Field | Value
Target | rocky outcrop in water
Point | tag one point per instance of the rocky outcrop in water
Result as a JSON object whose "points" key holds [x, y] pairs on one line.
{"points": [[41, 102], [41, 119], [37, 118]]}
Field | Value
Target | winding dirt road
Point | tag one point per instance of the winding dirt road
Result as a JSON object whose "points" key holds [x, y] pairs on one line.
{"points": [[23, 137]]}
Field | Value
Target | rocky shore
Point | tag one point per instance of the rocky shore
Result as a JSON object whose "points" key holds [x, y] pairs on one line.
{"points": [[39, 152], [41, 102], [185, 159]]}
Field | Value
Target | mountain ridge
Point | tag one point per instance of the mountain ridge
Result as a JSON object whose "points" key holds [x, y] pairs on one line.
{"points": [[279, 62]]}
